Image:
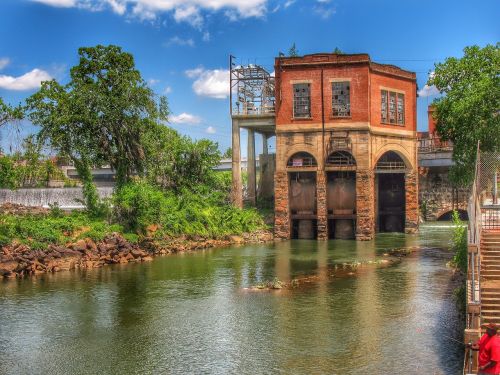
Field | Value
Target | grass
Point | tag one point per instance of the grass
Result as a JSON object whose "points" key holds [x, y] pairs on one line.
{"points": [[41, 230]]}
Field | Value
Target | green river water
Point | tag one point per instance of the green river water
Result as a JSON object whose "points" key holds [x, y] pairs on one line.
{"points": [[191, 314]]}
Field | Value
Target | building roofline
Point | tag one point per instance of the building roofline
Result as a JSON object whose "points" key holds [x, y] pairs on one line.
{"points": [[318, 59]]}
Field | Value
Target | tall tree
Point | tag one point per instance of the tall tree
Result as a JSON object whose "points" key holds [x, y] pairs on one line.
{"points": [[100, 116], [469, 110]]}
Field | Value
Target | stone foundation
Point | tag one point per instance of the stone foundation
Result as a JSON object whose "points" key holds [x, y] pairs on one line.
{"points": [[281, 211], [365, 205], [322, 212], [411, 204]]}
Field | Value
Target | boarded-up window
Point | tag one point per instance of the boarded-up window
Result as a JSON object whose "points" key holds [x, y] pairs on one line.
{"points": [[341, 99], [301, 100], [392, 107]]}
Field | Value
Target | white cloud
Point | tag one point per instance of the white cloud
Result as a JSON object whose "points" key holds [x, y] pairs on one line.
{"points": [[206, 36], [28, 81], [167, 90], [179, 41], [210, 83], [4, 62], [189, 11], [119, 7], [210, 130], [324, 9], [190, 14], [185, 118], [428, 90], [288, 3], [58, 3], [153, 81]]}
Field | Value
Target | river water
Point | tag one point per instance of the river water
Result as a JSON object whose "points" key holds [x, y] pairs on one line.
{"points": [[191, 314]]}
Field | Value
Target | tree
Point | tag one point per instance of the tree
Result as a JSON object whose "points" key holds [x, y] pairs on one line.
{"points": [[293, 52], [228, 154], [469, 110], [338, 51], [175, 162], [9, 113], [100, 116]]}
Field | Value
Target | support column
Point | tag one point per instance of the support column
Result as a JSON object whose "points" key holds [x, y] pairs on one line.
{"points": [[251, 170], [365, 205], [281, 211], [322, 212], [237, 189], [411, 202], [265, 149]]}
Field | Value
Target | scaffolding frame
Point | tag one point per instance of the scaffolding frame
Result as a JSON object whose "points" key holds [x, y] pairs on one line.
{"points": [[251, 90]]}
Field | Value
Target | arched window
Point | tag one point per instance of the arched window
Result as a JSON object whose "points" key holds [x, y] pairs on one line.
{"points": [[341, 159], [390, 161], [301, 159]]}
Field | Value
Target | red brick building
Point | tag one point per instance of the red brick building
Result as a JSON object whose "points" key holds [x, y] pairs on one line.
{"points": [[346, 161]]}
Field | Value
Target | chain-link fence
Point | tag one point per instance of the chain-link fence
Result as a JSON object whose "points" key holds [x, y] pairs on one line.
{"points": [[488, 181]]}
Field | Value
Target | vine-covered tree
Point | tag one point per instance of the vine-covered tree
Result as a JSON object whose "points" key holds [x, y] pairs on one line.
{"points": [[469, 110], [100, 116]]}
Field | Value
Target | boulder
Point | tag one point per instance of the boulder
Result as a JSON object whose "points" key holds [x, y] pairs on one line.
{"points": [[8, 267]]}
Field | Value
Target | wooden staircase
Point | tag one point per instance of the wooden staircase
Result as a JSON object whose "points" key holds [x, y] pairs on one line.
{"points": [[490, 276]]}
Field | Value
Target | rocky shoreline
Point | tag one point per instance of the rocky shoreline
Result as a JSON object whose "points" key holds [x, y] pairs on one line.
{"points": [[19, 260]]}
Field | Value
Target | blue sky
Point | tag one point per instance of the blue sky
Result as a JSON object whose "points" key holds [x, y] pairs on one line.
{"points": [[182, 46]]}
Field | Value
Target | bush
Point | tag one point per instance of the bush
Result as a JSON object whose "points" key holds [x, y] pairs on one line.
{"points": [[459, 243], [193, 212], [40, 231]]}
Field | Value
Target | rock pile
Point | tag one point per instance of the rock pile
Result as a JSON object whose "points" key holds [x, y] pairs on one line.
{"points": [[17, 260]]}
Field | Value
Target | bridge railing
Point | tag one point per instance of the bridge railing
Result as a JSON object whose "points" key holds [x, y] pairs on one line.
{"points": [[434, 144]]}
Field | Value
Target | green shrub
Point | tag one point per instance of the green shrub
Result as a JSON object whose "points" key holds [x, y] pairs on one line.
{"points": [[194, 212], [459, 243]]}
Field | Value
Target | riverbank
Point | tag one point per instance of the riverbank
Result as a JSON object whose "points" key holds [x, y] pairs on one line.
{"points": [[87, 245]]}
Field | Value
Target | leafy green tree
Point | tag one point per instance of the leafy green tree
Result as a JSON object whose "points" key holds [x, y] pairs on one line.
{"points": [[175, 162], [8, 176], [338, 51], [469, 110], [293, 52], [9, 113], [100, 116], [228, 154]]}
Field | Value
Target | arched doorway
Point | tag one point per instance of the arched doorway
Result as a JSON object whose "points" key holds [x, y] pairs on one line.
{"points": [[301, 168], [390, 193], [341, 194]]}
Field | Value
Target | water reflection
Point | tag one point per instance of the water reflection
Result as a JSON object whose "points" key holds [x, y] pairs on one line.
{"points": [[190, 313]]}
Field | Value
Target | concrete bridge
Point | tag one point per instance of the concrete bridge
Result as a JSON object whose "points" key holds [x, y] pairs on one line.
{"points": [[438, 197]]}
